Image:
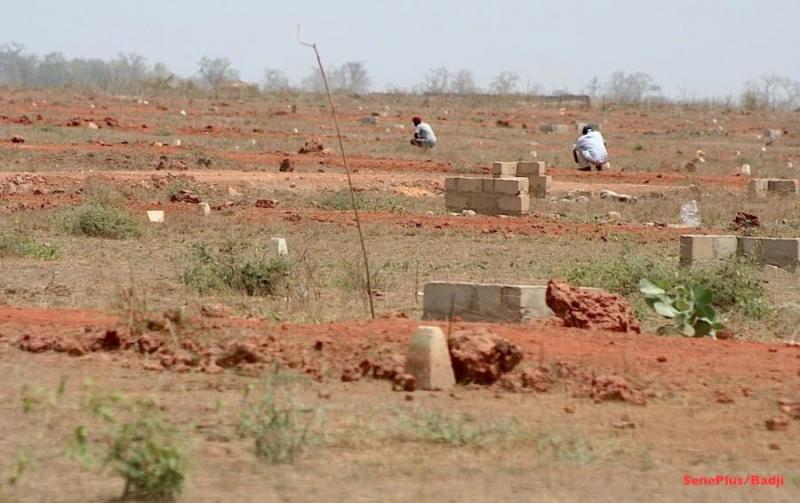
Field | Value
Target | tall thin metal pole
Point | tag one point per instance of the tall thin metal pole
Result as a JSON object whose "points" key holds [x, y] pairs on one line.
{"points": [[346, 169]]}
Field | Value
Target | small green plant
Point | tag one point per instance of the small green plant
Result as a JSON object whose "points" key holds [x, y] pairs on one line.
{"points": [[689, 307], [340, 200], [235, 268], [280, 428], [638, 148], [139, 445], [17, 245], [102, 220], [458, 430]]}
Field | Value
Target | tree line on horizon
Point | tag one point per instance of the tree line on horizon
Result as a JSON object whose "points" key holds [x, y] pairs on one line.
{"points": [[130, 72]]}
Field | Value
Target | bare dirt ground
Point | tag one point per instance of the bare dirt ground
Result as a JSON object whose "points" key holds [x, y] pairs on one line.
{"points": [[99, 317]]}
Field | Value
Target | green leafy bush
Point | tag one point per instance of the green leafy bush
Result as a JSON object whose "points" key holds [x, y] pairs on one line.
{"points": [[17, 245], [137, 443], [340, 200], [689, 307], [734, 282], [280, 428], [235, 268], [102, 220]]}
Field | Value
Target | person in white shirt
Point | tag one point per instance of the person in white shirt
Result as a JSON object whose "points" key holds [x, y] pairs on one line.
{"points": [[590, 150], [423, 134]]}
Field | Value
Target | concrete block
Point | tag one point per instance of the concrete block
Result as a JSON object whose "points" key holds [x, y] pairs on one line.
{"points": [[204, 209], [156, 216], [773, 133], [440, 298], [514, 205], [474, 185], [451, 184], [540, 186], [527, 301], [780, 252], [484, 301], [428, 359], [482, 203], [758, 187], [782, 186], [696, 249], [511, 186], [455, 202], [488, 185], [531, 168], [504, 169]]}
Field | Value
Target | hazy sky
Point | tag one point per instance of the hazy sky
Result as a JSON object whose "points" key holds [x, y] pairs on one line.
{"points": [[694, 47]]}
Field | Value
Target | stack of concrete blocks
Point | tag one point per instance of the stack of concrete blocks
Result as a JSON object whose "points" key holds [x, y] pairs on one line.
{"points": [[780, 252], [762, 187], [484, 301], [539, 183], [488, 196]]}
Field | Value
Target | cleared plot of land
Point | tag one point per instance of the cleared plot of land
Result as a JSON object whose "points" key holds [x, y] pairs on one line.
{"points": [[197, 310]]}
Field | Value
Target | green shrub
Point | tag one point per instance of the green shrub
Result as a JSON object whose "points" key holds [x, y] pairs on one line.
{"points": [[458, 430], [100, 220], [620, 274], [138, 444], [734, 282], [688, 306], [280, 428], [16, 245], [234, 268], [340, 200]]}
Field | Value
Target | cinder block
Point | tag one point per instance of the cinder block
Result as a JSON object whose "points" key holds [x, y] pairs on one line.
{"points": [[773, 133], [482, 203], [454, 201], [528, 301], [474, 185], [749, 247], [488, 185], [781, 252], [441, 298], [489, 301], [540, 186], [204, 209], [514, 205], [451, 184], [782, 186], [428, 360], [511, 186], [504, 169], [531, 168], [696, 249], [758, 187]]}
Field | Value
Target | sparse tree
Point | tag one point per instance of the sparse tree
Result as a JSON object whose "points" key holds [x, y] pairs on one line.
{"points": [[216, 71], [463, 82], [504, 83], [594, 88], [353, 77], [437, 81], [630, 88], [275, 81], [772, 91]]}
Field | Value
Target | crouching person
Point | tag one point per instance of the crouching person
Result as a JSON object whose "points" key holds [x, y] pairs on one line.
{"points": [[590, 150], [423, 134]]}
